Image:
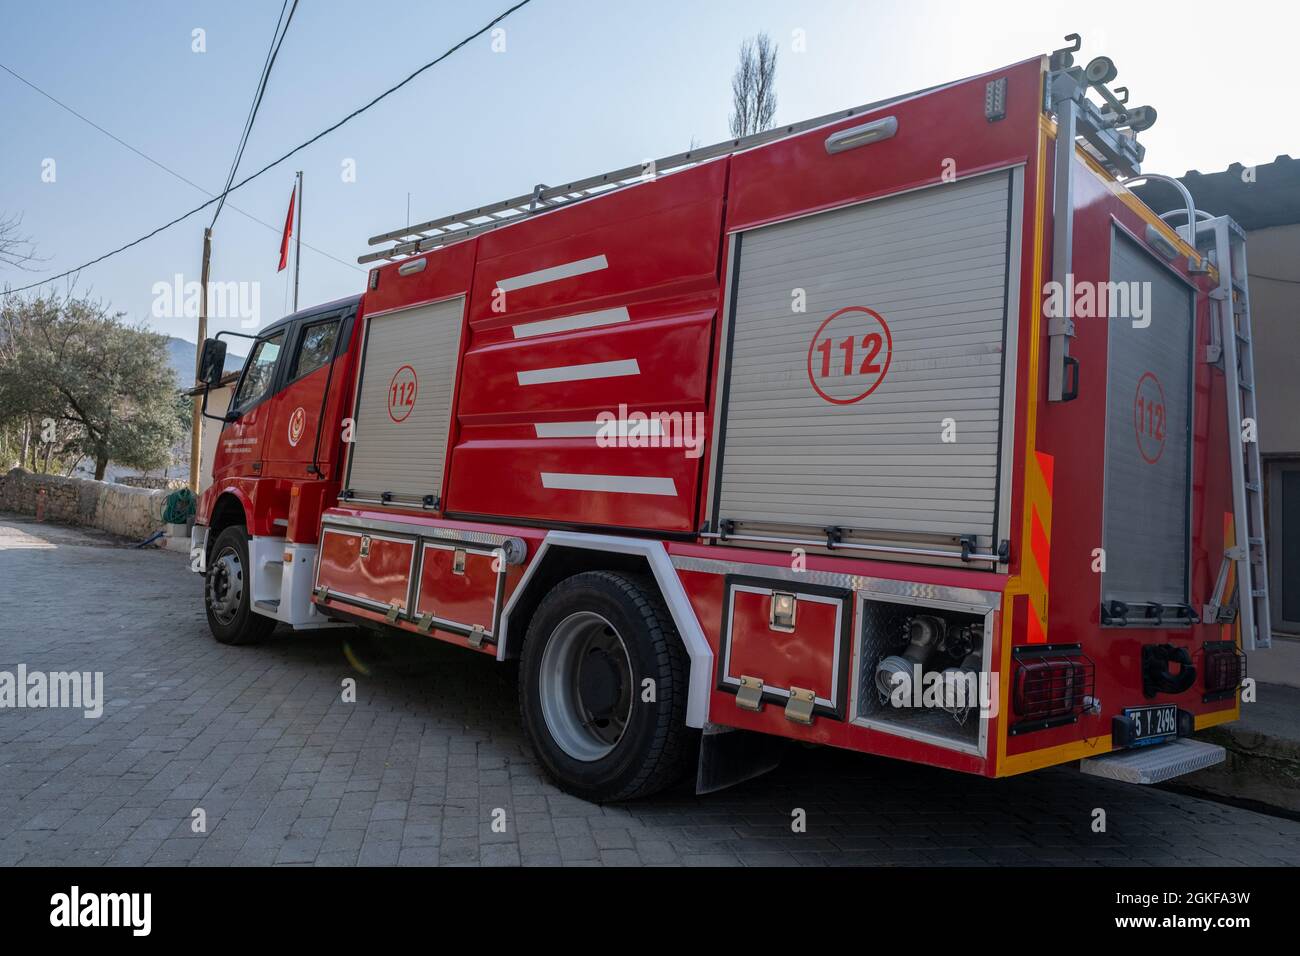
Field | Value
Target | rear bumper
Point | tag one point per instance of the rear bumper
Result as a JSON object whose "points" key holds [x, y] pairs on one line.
{"points": [[1156, 764]]}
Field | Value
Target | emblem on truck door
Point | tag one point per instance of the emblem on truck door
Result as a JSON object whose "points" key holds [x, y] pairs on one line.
{"points": [[849, 355], [401, 393], [297, 422]]}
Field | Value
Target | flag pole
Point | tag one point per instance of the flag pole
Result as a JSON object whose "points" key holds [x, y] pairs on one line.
{"points": [[297, 252]]}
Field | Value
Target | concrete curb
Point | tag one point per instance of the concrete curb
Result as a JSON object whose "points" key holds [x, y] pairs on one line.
{"points": [[1263, 764]]}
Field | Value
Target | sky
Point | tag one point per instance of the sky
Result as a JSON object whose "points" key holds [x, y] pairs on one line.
{"points": [[580, 87]]}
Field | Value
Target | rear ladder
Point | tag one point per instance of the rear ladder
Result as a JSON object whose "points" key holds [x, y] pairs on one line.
{"points": [[1225, 242]]}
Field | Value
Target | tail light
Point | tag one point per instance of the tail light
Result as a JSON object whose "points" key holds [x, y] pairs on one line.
{"points": [[1224, 666], [1051, 685]]}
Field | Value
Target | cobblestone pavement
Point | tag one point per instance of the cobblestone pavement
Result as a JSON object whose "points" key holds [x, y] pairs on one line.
{"points": [[287, 773]]}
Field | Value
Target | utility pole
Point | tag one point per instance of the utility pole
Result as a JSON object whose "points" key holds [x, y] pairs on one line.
{"points": [[297, 252], [196, 430]]}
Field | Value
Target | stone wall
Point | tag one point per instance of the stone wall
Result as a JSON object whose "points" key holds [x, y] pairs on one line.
{"points": [[118, 509]]}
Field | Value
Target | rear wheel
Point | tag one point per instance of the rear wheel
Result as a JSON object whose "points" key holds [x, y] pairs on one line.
{"points": [[603, 684], [228, 591]]}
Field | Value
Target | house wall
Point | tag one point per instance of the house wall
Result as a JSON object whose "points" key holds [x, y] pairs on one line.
{"points": [[1272, 255], [1275, 317]]}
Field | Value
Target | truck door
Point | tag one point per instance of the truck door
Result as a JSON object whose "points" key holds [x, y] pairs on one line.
{"points": [[296, 408], [242, 439]]}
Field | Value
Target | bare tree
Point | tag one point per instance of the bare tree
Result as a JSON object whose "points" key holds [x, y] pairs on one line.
{"points": [[753, 87], [16, 250]]}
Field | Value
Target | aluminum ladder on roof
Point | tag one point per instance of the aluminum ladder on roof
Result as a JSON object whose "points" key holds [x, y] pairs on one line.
{"points": [[411, 240], [1225, 242]]}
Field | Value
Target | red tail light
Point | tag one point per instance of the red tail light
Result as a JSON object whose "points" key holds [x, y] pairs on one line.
{"points": [[1224, 667], [1050, 685]]}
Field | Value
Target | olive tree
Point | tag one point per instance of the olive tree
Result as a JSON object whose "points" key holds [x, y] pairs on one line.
{"points": [[87, 383]]}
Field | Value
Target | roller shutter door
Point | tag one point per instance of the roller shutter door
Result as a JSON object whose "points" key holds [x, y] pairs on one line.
{"points": [[404, 406], [1148, 417], [933, 265]]}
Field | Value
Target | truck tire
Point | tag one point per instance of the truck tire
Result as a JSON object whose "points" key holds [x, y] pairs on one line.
{"points": [[228, 592], [593, 641]]}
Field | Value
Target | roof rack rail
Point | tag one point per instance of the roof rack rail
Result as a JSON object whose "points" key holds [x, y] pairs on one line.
{"points": [[419, 238]]}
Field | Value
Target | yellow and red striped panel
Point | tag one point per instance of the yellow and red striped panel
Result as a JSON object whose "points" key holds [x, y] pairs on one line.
{"points": [[1037, 567]]}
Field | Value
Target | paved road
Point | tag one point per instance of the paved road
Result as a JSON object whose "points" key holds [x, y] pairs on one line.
{"points": [[412, 772]]}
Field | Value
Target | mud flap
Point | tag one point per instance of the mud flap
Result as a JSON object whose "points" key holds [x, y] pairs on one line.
{"points": [[729, 756]]}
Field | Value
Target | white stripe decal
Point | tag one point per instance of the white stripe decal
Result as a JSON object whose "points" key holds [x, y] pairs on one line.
{"points": [[579, 373], [569, 323], [618, 484], [649, 427], [564, 270]]}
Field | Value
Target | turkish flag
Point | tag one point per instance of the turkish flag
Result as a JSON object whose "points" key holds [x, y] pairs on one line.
{"points": [[288, 231]]}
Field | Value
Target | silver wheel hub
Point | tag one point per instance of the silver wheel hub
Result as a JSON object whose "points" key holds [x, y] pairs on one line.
{"points": [[586, 686], [225, 586]]}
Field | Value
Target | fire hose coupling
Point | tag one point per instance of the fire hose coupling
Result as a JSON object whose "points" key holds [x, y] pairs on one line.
{"points": [[924, 632], [1157, 678]]}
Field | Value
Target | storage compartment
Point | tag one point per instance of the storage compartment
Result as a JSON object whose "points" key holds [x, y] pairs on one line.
{"points": [[923, 673], [367, 570], [791, 638], [404, 405], [877, 410], [459, 588]]}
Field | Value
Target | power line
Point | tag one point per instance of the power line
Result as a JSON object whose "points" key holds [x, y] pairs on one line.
{"points": [[273, 51], [165, 168], [276, 162]]}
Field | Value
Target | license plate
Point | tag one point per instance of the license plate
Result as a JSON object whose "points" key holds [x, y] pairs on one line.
{"points": [[1152, 724]]}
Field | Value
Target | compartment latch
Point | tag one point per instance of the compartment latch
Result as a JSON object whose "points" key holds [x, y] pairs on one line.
{"points": [[781, 614]]}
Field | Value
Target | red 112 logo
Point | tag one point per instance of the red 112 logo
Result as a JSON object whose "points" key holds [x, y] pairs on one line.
{"points": [[849, 355], [401, 393]]}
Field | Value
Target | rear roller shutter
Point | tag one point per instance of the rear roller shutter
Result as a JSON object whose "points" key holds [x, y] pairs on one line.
{"points": [[1148, 420]]}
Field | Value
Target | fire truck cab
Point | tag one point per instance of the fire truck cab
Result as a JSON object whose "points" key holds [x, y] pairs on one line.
{"points": [[273, 470], [908, 430]]}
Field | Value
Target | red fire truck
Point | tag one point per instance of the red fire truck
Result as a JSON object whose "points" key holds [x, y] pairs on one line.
{"points": [[790, 438]]}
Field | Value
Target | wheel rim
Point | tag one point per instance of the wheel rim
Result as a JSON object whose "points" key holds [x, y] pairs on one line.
{"points": [[226, 586], [586, 686]]}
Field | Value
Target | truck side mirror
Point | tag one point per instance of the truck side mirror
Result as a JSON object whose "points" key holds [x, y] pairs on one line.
{"points": [[212, 362]]}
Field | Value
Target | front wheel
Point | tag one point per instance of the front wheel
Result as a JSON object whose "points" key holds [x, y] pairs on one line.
{"points": [[603, 686], [228, 591]]}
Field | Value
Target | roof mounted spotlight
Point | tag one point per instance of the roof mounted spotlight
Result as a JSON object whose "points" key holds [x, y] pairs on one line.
{"points": [[1099, 126], [1141, 118], [1100, 69]]}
